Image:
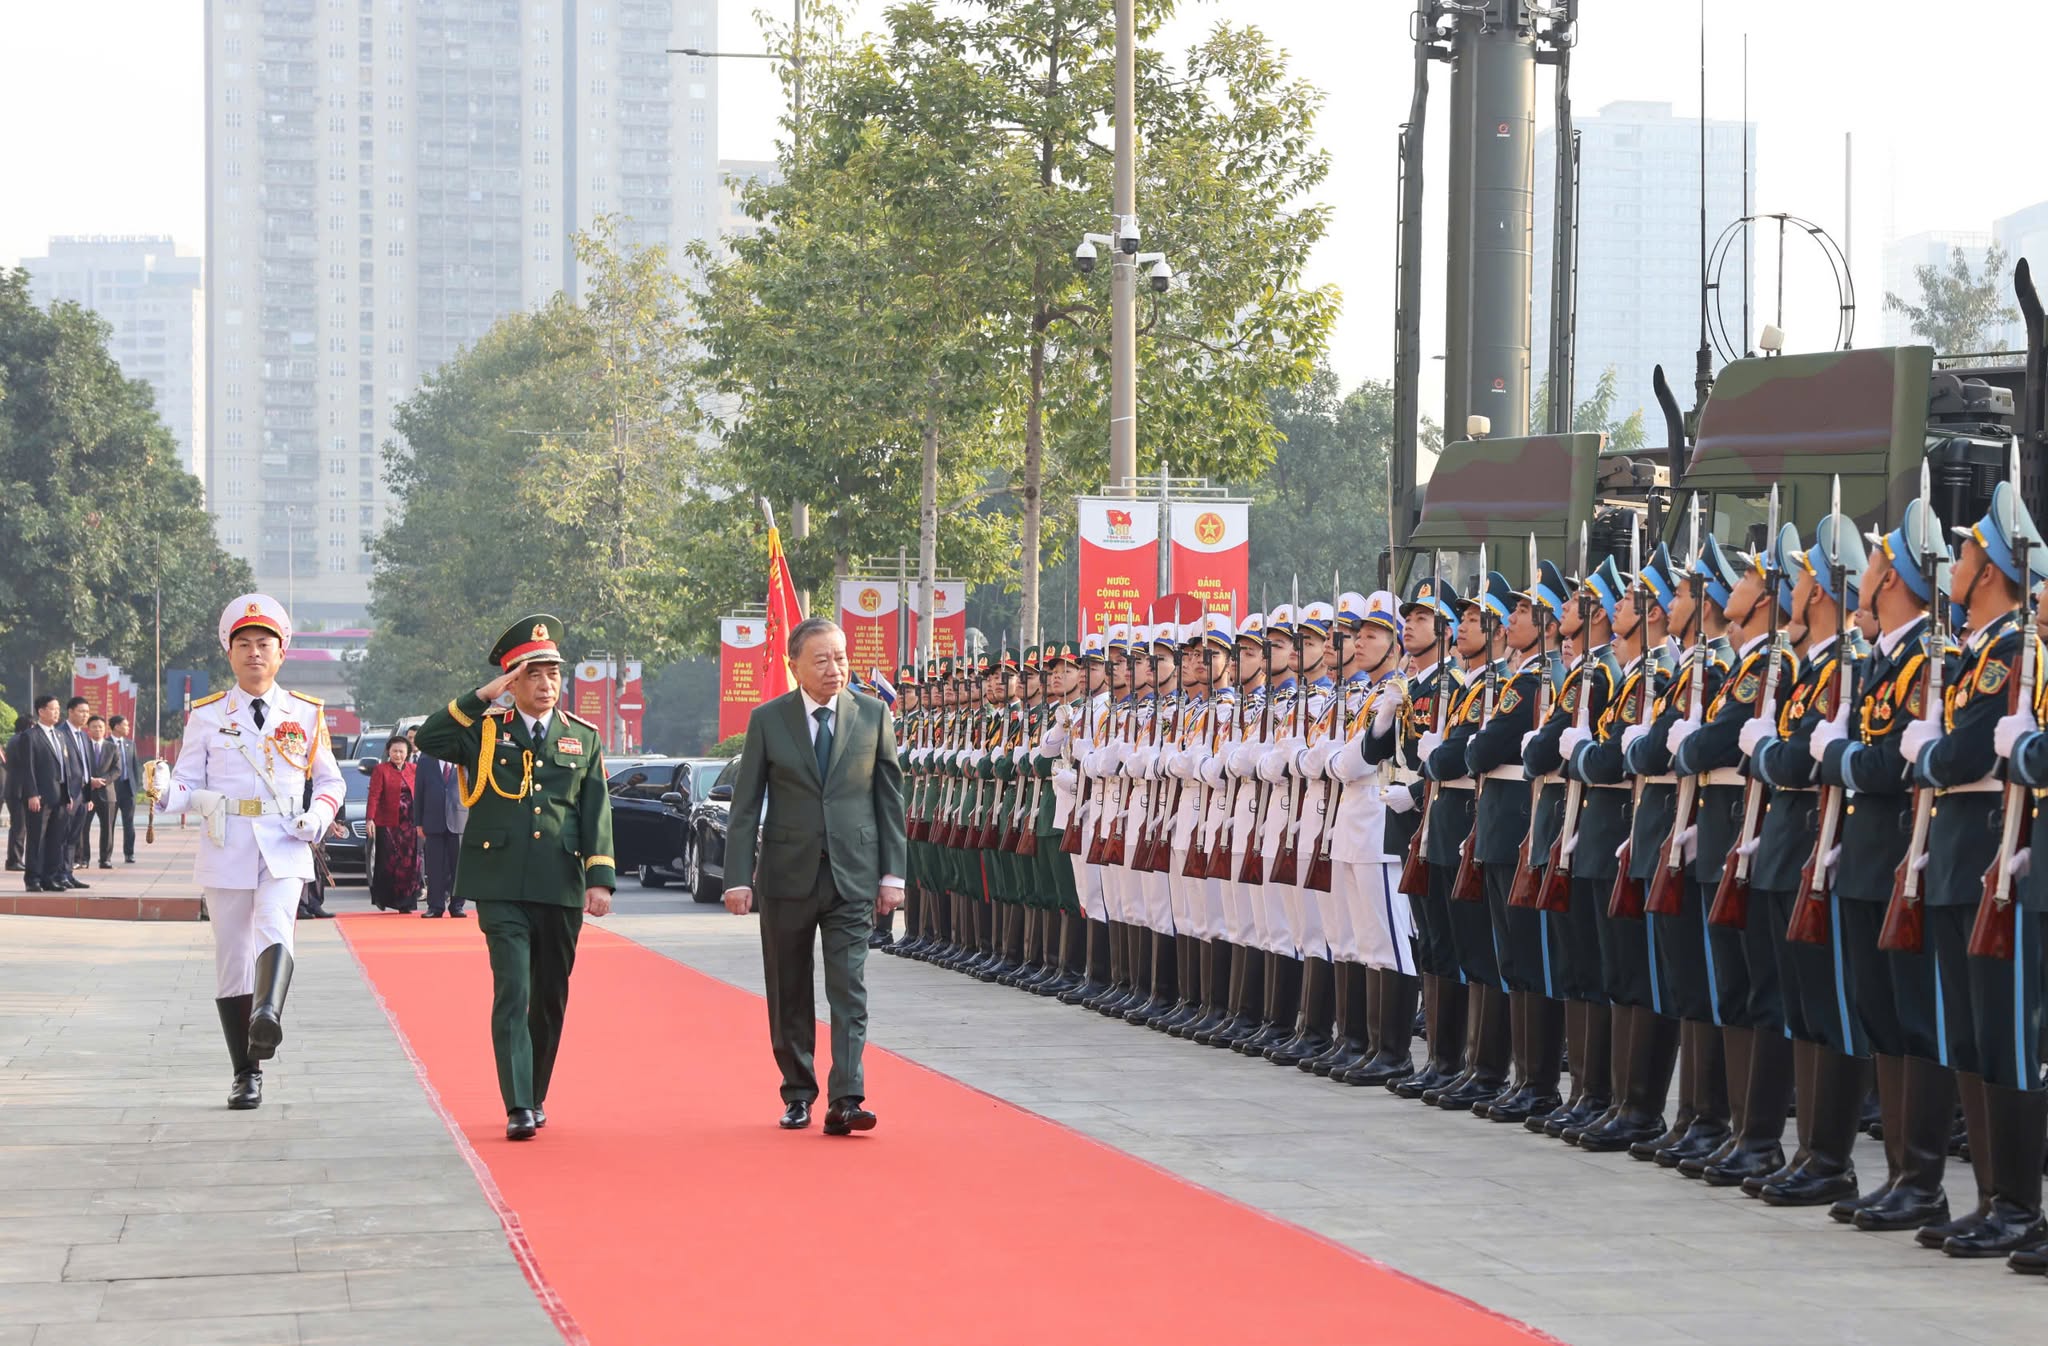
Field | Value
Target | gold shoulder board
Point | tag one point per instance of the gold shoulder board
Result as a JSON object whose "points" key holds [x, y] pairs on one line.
{"points": [[572, 715], [310, 700], [208, 700]]}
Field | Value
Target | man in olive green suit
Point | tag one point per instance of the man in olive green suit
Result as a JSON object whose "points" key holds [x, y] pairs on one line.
{"points": [[819, 780], [537, 853]]}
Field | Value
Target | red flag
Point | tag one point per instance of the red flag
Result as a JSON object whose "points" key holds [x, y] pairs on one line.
{"points": [[783, 616]]}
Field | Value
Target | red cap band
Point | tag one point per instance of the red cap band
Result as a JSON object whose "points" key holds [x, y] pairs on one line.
{"points": [[519, 652]]}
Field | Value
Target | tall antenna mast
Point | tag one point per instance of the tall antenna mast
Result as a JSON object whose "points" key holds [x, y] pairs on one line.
{"points": [[1703, 367], [1745, 194]]}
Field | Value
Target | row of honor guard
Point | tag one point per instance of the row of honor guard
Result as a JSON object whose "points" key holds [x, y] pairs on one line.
{"points": [[1756, 825]]}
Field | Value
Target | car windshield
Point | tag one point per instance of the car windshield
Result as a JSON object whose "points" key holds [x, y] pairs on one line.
{"points": [[649, 780], [705, 775], [729, 774], [356, 784]]}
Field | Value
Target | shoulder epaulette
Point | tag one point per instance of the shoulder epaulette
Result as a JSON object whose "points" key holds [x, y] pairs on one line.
{"points": [[310, 700], [502, 713], [208, 700], [572, 715]]}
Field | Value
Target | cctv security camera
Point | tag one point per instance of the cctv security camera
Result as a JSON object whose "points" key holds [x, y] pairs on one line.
{"points": [[1084, 258], [1161, 276], [1127, 234]]}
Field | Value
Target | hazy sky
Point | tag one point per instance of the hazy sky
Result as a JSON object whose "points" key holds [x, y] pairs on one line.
{"points": [[103, 104]]}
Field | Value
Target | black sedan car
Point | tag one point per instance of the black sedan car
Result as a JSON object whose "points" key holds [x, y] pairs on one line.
{"points": [[653, 802], [349, 853], [705, 873]]}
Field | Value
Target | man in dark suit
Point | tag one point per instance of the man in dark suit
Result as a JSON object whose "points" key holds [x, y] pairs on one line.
{"points": [[101, 759], [437, 808], [38, 781], [78, 757], [17, 816], [819, 780], [127, 784]]}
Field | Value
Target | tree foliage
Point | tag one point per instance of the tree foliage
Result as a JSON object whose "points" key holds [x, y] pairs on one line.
{"points": [[911, 290], [1323, 502], [1961, 311], [99, 512], [1595, 415], [553, 467]]}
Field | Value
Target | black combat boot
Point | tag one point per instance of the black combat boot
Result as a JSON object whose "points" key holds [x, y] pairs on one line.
{"points": [[1841, 1083], [1759, 1148], [2016, 1131], [247, 1090], [266, 1011], [1921, 1118]]}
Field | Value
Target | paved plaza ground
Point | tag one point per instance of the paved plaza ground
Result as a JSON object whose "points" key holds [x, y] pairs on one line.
{"points": [[134, 1209]]}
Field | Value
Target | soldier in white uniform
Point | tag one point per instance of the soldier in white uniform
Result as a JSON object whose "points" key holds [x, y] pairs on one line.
{"points": [[247, 757]]}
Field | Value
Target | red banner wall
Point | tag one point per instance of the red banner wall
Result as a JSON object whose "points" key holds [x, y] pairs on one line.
{"points": [[1212, 553], [632, 706], [89, 679], [742, 671], [868, 612], [1119, 560], [592, 697], [949, 621]]}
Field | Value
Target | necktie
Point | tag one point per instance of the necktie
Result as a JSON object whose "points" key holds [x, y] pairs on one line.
{"points": [[823, 741], [256, 709]]}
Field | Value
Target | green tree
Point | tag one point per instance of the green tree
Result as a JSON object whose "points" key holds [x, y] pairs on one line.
{"points": [[99, 513], [1960, 310], [554, 466], [1595, 415], [929, 213], [1323, 502]]}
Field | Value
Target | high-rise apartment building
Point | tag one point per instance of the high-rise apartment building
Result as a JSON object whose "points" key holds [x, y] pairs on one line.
{"points": [[386, 178], [1639, 246], [154, 302], [735, 175]]}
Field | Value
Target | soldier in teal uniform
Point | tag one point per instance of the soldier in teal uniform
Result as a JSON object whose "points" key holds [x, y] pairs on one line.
{"points": [[537, 854]]}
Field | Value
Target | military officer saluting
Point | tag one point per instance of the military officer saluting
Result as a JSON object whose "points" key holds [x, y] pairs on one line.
{"points": [[248, 758], [536, 855]]}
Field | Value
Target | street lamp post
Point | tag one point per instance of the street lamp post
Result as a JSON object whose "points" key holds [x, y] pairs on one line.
{"points": [[1123, 271]]}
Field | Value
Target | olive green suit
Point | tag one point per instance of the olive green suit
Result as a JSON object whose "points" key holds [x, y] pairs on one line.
{"points": [[825, 845], [539, 834]]}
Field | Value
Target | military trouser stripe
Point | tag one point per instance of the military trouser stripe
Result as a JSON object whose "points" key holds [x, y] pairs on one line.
{"points": [[2020, 1036], [1841, 978], [1940, 1014], [1700, 900]]}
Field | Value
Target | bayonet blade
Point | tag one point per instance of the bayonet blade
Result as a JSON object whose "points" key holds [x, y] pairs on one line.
{"points": [[1532, 563], [1771, 539], [1835, 527], [1585, 552]]}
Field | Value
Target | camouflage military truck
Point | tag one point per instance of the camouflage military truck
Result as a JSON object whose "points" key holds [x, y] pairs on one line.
{"points": [[1796, 421]]}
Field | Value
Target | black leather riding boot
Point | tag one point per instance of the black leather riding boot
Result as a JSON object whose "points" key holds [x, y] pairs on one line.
{"points": [[247, 1090], [266, 1011], [1841, 1083], [1922, 1116]]}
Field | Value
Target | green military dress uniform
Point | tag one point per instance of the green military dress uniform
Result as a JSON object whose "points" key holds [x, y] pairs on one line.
{"points": [[539, 834]]}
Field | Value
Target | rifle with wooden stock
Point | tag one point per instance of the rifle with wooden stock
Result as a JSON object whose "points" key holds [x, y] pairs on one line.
{"points": [[1667, 895], [1555, 893], [1254, 868], [1414, 867], [1469, 885], [1112, 850], [1287, 868], [1904, 929], [1319, 866], [1625, 901], [1731, 896], [1809, 922], [1994, 933], [1523, 891]]}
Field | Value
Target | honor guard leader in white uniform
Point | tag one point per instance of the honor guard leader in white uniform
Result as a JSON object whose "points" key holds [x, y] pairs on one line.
{"points": [[247, 757]]}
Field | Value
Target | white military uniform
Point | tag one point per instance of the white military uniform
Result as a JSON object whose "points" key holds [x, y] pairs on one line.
{"points": [[248, 784]]}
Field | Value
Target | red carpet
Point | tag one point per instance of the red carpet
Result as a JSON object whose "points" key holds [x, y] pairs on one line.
{"points": [[663, 1206]]}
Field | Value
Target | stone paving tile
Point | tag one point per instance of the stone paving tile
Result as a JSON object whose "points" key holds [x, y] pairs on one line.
{"points": [[135, 1209], [1597, 1250]]}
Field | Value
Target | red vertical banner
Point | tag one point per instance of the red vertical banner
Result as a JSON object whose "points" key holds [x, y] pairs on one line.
{"points": [[1212, 552], [949, 620], [868, 613], [89, 679], [632, 706], [743, 658], [591, 698], [1119, 559]]}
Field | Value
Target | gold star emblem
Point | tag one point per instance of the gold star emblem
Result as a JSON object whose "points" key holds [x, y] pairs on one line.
{"points": [[540, 630]]}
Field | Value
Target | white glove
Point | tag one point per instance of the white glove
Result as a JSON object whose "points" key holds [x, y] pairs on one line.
{"points": [[159, 779], [212, 808], [1180, 763], [1431, 741], [1689, 844], [1292, 745], [1630, 735], [1315, 761], [1676, 736], [1244, 759], [1827, 863], [1915, 740], [1055, 739], [1017, 755], [1142, 763], [1824, 733], [1571, 740], [1211, 770], [1529, 738], [307, 826], [1755, 731], [2009, 729], [2022, 860], [1397, 799], [1748, 848], [1273, 765], [1064, 780], [1384, 712]]}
